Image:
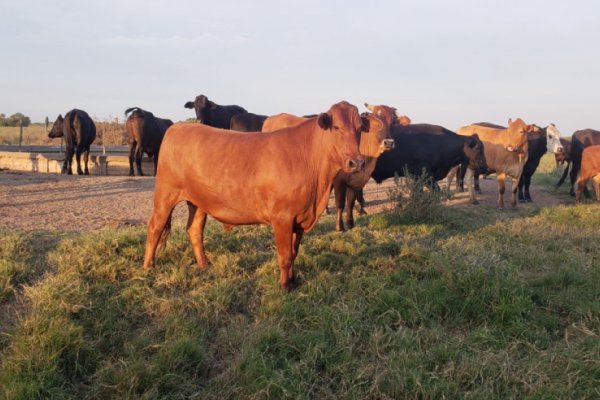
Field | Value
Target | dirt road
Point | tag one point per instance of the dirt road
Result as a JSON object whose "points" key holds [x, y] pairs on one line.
{"points": [[33, 201]]}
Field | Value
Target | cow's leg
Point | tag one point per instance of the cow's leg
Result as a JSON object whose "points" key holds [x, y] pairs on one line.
{"points": [[66, 168], [138, 158], [469, 177], [339, 191], [195, 230], [580, 186], [360, 197], [132, 146], [86, 158], [78, 152], [476, 183], [573, 176], [460, 178], [514, 188], [296, 238], [155, 162], [501, 189], [520, 186], [596, 183], [351, 196], [159, 227], [283, 241]]}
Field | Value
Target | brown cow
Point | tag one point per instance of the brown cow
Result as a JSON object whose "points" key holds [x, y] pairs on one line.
{"points": [[282, 120], [590, 168], [505, 153], [284, 178], [346, 187]]}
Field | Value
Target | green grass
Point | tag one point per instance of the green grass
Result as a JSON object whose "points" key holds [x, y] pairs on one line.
{"points": [[485, 304]]}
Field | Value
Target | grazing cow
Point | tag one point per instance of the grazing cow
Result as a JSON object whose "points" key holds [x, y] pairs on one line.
{"points": [[579, 141], [281, 178], [429, 149], [506, 152], [590, 168], [346, 186], [79, 132], [539, 141], [212, 114], [247, 122], [145, 133]]}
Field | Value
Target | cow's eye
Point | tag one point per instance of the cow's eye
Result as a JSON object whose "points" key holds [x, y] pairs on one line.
{"points": [[335, 127]]}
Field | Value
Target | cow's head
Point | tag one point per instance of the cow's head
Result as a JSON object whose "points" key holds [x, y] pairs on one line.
{"points": [[473, 151], [202, 105], [517, 136], [376, 138], [57, 128], [389, 115], [344, 126], [553, 142]]}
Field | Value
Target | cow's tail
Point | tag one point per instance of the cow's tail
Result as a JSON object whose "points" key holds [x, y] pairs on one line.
{"points": [[162, 241], [131, 109]]}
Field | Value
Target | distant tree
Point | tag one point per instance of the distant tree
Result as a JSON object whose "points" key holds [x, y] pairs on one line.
{"points": [[14, 120]]}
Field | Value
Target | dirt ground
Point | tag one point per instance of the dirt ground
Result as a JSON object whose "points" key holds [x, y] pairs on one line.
{"points": [[34, 201]]}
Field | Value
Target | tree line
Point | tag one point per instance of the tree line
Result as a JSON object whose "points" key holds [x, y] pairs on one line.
{"points": [[14, 120]]}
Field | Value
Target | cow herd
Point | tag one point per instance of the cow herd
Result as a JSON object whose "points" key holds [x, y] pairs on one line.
{"points": [[243, 168]]}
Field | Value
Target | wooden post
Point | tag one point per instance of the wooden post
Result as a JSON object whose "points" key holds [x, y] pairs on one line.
{"points": [[20, 133]]}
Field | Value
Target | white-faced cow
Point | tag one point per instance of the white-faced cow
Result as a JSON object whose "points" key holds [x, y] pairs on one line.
{"points": [[145, 134], [212, 114], [79, 132]]}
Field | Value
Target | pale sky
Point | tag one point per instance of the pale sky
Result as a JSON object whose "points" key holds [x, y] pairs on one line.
{"points": [[448, 63]]}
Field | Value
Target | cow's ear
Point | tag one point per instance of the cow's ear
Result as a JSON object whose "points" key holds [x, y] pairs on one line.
{"points": [[325, 121], [189, 104], [404, 120], [365, 123], [473, 139], [510, 122]]}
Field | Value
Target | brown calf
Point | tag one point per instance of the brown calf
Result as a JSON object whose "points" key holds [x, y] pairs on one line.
{"points": [[505, 153]]}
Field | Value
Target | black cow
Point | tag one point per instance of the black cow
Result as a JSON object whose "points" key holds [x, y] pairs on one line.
{"points": [[145, 133], [247, 122], [79, 132], [579, 141], [430, 149], [210, 113]]}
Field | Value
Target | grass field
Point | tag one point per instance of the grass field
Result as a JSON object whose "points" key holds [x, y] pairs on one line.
{"points": [[477, 303]]}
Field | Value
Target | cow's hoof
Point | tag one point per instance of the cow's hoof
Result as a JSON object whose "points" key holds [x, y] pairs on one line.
{"points": [[362, 212], [478, 191], [474, 202]]}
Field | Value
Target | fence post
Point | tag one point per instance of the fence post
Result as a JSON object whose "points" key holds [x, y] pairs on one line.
{"points": [[20, 133]]}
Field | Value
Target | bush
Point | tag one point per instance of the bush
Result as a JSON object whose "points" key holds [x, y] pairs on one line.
{"points": [[418, 198]]}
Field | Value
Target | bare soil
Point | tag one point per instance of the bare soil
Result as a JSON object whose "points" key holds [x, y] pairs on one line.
{"points": [[33, 201]]}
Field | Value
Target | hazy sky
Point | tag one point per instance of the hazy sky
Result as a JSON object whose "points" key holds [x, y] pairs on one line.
{"points": [[443, 62]]}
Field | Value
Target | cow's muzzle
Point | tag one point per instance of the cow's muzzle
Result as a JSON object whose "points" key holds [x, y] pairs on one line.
{"points": [[355, 165]]}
